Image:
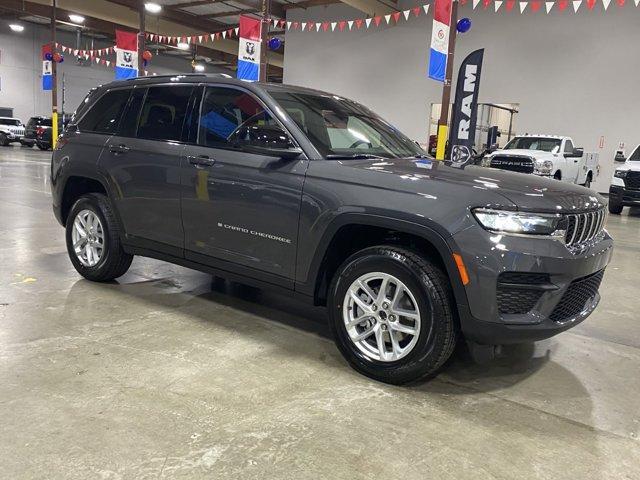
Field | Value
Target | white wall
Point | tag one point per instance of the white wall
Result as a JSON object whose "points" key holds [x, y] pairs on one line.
{"points": [[571, 74], [21, 72]]}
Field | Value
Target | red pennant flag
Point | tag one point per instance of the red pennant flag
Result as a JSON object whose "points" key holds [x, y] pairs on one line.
{"points": [[416, 11], [535, 6], [341, 25], [463, 2], [510, 4], [325, 26], [310, 26], [359, 23], [485, 3], [562, 5], [396, 16], [295, 25], [620, 3], [591, 4], [377, 21]]}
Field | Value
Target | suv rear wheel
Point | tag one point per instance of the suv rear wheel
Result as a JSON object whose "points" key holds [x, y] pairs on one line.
{"points": [[615, 207], [391, 314], [93, 240]]}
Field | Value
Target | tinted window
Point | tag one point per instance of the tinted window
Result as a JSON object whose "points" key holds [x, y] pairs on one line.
{"points": [[104, 115], [10, 121], [223, 111], [129, 124], [163, 113], [635, 156], [535, 143]]}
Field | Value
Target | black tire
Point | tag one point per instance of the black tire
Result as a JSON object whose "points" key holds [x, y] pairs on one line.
{"points": [[43, 147], [615, 207], [4, 141], [587, 182], [430, 286], [114, 261], [557, 175]]}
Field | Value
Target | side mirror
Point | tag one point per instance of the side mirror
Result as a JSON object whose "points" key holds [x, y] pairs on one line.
{"points": [[619, 157], [493, 147], [576, 153], [268, 140]]}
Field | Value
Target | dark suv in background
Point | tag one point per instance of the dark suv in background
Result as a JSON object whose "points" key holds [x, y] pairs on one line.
{"points": [[315, 196]]}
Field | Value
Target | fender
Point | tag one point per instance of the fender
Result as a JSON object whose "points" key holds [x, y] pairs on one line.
{"points": [[432, 234]]}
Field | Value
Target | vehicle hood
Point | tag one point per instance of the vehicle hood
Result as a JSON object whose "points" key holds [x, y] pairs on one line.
{"points": [[537, 154], [633, 166], [476, 185]]}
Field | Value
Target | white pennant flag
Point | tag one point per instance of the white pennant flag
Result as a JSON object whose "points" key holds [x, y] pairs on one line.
{"points": [[606, 3], [523, 5], [549, 6], [213, 36], [288, 25], [200, 38], [224, 34], [97, 60], [387, 18], [304, 24], [108, 63], [237, 30], [368, 22], [637, 2], [406, 14], [475, 3], [426, 8], [333, 26], [576, 5], [275, 23], [318, 26], [350, 23], [75, 52], [497, 5]]}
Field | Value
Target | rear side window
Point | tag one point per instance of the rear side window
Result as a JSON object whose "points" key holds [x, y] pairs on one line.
{"points": [[104, 115], [223, 111], [163, 113]]}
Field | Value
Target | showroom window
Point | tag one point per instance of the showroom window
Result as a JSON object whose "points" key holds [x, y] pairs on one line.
{"points": [[223, 111], [164, 112], [105, 115]]}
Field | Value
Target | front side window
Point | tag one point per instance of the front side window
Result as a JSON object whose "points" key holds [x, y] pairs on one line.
{"points": [[340, 128], [535, 143], [14, 122], [104, 115], [635, 156], [568, 146], [163, 113]]}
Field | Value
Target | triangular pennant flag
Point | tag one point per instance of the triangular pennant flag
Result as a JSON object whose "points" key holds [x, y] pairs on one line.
{"points": [[605, 4], [212, 36], [485, 3], [620, 3], [368, 22], [426, 9], [341, 25], [325, 26], [333, 26], [236, 30], [377, 20], [510, 4], [396, 16], [350, 23], [637, 2], [576, 5], [562, 5], [591, 4], [108, 62], [311, 26], [548, 6], [359, 22], [406, 14], [75, 52], [535, 6], [275, 23], [416, 11], [387, 18], [224, 34], [303, 26], [523, 6], [475, 3], [497, 5], [318, 25], [288, 25]]}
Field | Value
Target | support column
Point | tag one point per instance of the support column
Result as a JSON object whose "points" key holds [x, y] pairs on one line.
{"points": [[264, 32], [443, 129], [141, 38], [54, 79]]}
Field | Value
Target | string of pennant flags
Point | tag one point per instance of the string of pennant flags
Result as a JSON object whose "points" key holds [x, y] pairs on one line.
{"points": [[97, 56]]}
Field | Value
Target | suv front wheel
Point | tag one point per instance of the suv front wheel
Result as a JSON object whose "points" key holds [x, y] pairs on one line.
{"points": [[93, 240], [391, 314]]}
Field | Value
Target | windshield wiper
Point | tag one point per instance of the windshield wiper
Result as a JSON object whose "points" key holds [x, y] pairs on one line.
{"points": [[355, 156]]}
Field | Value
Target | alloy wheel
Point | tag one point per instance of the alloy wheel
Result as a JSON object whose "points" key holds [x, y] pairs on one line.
{"points": [[87, 235]]}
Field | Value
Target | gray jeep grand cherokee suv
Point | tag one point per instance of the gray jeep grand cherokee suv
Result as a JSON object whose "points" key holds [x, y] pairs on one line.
{"points": [[314, 195]]}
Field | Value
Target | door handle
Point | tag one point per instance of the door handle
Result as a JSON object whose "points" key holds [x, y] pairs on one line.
{"points": [[201, 160], [117, 149]]}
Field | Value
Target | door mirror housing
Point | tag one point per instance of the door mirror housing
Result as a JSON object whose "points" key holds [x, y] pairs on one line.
{"points": [[576, 153], [619, 157], [268, 140]]}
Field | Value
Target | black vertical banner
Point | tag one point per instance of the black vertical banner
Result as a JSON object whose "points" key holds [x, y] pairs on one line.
{"points": [[465, 108]]}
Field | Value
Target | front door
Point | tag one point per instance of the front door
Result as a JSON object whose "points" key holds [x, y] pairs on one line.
{"points": [[240, 208], [572, 163], [143, 163]]}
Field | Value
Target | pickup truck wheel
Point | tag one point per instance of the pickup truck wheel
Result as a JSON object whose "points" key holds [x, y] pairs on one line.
{"points": [[587, 182], [391, 314], [558, 175], [615, 207], [93, 240]]}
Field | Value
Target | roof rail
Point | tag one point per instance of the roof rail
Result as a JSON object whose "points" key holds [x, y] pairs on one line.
{"points": [[191, 75]]}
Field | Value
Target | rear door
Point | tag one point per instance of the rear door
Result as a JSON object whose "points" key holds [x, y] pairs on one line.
{"points": [[143, 163], [238, 207]]}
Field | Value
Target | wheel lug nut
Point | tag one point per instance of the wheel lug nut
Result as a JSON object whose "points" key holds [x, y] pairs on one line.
{"points": [[374, 307], [392, 318], [384, 327], [385, 305]]}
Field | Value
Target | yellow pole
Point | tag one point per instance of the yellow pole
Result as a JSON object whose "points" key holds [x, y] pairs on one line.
{"points": [[443, 134], [54, 78]]}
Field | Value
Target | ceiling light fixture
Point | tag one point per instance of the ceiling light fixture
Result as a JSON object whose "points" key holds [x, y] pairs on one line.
{"points": [[16, 27], [199, 67], [183, 45], [152, 7], [76, 18]]}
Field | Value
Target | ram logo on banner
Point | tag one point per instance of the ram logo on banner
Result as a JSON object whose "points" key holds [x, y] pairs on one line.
{"points": [[249, 48], [126, 55], [465, 108], [47, 71], [440, 39]]}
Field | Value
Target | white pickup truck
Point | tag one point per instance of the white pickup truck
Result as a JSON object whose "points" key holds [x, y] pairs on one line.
{"points": [[625, 184], [11, 130], [548, 156]]}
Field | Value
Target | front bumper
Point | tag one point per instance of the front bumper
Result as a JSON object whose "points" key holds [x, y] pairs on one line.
{"points": [[621, 195], [487, 256]]}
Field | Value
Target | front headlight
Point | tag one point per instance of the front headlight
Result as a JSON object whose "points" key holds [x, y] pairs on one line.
{"points": [[620, 173], [486, 161], [503, 221], [543, 167]]}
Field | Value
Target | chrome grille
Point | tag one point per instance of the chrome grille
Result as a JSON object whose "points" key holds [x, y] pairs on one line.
{"points": [[632, 180], [584, 227], [512, 163]]}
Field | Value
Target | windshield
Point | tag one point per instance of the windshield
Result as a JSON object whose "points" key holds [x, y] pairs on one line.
{"points": [[535, 143], [340, 128], [10, 121], [635, 156]]}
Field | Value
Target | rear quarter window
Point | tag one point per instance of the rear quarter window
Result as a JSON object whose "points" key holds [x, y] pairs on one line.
{"points": [[104, 116]]}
